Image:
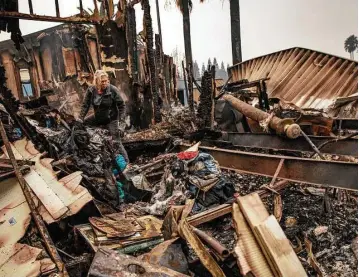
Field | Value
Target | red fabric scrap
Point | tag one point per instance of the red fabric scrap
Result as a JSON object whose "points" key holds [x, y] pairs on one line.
{"points": [[187, 155]]}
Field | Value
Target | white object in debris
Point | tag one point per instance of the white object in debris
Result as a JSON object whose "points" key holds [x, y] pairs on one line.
{"points": [[320, 230], [193, 148]]}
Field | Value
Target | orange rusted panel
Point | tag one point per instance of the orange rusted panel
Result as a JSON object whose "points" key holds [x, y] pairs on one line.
{"points": [[55, 198], [69, 61], [304, 77], [21, 260]]}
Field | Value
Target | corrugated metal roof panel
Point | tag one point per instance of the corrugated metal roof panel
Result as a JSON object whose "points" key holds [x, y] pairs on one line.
{"points": [[307, 78]]}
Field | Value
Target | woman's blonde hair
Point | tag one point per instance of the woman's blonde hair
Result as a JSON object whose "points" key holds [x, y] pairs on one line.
{"points": [[97, 78]]}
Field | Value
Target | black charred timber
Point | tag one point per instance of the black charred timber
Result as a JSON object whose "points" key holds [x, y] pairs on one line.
{"points": [[188, 49], [190, 90], [57, 8], [132, 43], [213, 73], [185, 78], [166, 62], [170, 80], [174, 82], [159, 67], [81, 8], [81, 44], [32, 10], [235, 31], [205, 102], [147, 20]]}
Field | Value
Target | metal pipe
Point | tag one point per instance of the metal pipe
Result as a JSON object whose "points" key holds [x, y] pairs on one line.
{"points": [[212, 242], [281, 126], [51, 248]]}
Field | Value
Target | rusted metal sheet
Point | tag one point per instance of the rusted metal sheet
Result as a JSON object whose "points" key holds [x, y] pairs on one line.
{"points": [[316, 172], [14, 212], [108, 263], [52, 251], [21, 260], [307, 78], [55, 198], [267, 141], [168, 254]]}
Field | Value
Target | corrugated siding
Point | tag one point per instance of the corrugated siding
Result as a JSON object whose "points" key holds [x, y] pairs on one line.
{"points": [[307, 78]]}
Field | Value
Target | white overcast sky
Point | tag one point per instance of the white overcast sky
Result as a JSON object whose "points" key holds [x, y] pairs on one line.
{"points": [[266, 25]]}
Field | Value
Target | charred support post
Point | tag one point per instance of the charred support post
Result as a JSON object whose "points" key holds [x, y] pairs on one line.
{"points": [[174, 81], [206, 101], [30, 7], [51, 248], [235, 31], [57, 8], [185, 81], [188, 50], [281, 126], [81, 8], [147, 20]]}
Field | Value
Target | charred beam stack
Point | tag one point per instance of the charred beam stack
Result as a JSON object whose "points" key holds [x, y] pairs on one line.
{"points": [[132, 43], [147, 22], [174, 74], [206, 101], [167, 78], [159, 71]]}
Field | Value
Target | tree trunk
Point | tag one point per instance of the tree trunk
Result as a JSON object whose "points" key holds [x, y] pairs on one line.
{"points": [[235, 32], [151, 58], [188, 51]]}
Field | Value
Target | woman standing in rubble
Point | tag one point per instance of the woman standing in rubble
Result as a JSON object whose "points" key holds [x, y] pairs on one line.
{"points": [[108, 106]]}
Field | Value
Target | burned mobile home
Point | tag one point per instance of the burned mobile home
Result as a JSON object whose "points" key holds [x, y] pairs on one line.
{"points": [[260, 179]]}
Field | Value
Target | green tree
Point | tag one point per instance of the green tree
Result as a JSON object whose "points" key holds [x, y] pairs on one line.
{"points": [[350, 45], [209, 64], [203, 69], [196, 73], [215, 63], [222, 65]]}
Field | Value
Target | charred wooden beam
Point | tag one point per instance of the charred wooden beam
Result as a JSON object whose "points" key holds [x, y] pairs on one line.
{"points": [[205, 102], [147, 21], [70, 19], [174, 75], [30, 7], [81, 8], [57, 8]]}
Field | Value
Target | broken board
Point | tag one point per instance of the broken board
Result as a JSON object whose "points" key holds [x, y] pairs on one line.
{"points": [[277, 248]]}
